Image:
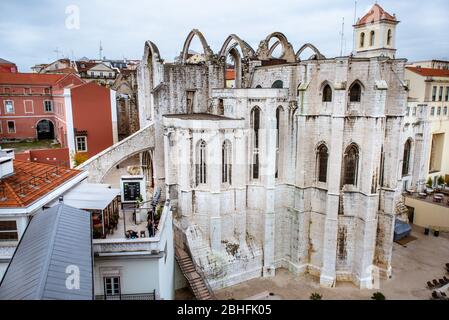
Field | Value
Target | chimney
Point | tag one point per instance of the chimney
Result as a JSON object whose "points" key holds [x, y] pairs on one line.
{"points": [[6, 163]]}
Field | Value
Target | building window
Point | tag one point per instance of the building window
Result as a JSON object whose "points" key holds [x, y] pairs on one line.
{"points": [[201, 163], [28, 106], [389, 37], [112, 286], [434, 93], [440, 96], [8, 230], [255, 126], [101, 74], [322, 157], [362, 39], [48, 106], [432, 111], [407, 112], [350, 165], [190, 96], [446, 98], [371, 38], [11, 127], [438, 111], [445, 111], [220, 108], [414, 111], [278, 84], [226, 162], [9, 106], [406, 157], [327, 93], [1, 127], [110, 74], [355, 92], [81, 143]]}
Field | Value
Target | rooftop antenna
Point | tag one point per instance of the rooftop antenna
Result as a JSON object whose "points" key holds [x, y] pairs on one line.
{"points": [[101, 50], [355, 12], [342, 35], [57, 51]]}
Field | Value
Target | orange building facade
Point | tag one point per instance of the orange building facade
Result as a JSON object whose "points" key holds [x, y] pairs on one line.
{"points": [[80, 116]]}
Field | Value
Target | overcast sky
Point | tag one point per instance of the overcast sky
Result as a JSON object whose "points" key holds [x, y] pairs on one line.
{"points": [[32, 31]]}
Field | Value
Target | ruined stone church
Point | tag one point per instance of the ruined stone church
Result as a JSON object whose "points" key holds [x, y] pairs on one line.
{"points": [[294, 165]]}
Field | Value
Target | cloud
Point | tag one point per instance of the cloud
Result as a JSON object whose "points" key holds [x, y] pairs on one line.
{"points": [[31, 31]]}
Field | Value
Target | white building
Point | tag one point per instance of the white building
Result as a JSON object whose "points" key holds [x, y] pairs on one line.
{"points": [[298, 166]]}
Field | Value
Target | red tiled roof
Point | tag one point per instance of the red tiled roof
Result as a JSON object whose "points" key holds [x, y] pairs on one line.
{"points": [[30, 182], [230, 74], [376, 13], [30, 78], [429, 72]]}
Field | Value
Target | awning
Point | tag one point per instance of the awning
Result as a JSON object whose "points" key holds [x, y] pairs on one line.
{"points": [[90, 196]]}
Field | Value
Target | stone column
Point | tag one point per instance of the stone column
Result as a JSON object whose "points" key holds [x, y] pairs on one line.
{"points": [[328, 275], [214, 183], [239, 175], [268, 160]]}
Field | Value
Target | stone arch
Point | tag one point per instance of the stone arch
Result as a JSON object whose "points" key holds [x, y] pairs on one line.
{"points": [[185, 50], [316, 56], [264, 52], [352, 95], [326, 85], [235, 54], [45, 129], [247, 50], [150, 73]]}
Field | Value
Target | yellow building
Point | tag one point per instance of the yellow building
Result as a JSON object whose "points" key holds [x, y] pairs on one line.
{"points": [[429, 91]]}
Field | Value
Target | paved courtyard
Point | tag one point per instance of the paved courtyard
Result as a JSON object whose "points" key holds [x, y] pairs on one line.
{"points": [[413, 265]]}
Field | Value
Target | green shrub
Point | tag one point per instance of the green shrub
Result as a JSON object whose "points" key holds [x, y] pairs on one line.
{"points": [[315, 296], [429, 182], [440, 180], [378, 296]]}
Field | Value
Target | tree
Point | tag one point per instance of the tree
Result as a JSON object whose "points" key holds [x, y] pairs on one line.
{"points": [[429, 182]]}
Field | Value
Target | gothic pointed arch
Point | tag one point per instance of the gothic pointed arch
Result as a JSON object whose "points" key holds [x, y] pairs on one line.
{"points": [[246, 49], [316, 56], [206, 48], [264, 52]]}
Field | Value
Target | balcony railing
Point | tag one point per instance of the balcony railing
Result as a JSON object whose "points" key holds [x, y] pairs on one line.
{"points": [[136, 296]]}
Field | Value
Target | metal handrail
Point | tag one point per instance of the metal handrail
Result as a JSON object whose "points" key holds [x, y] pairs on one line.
{"points": [[201, 273]]}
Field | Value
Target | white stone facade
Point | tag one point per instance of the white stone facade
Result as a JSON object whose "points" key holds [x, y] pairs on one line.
{"points": [[287, 214]]}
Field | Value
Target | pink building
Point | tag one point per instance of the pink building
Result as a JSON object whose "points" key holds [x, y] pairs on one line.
{"points": [[81, 116]]}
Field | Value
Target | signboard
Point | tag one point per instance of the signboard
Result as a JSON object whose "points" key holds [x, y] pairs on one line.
{"points": [[131, 190]]}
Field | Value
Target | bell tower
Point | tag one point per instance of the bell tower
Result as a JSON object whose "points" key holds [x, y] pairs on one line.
{"points": [[375, 34]]}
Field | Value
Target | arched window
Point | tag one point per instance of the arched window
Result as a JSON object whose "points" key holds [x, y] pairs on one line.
{"points": [[371, 38], [279, 128], [362, 39], [327, 93], [350, 165], [389, 37], [355, 92], [258, 86], [226, 162], [255, 126], [201, 163], [322, 157], [278, 84], [406, 157]]}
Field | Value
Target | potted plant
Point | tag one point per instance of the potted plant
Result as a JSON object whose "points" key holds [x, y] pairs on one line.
{"points": [[436, 232], [441, 182], [315, 296], [429, 182]]}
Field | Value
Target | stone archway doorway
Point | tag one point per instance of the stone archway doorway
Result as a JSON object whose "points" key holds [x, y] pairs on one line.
{"points": [[45, 130]]}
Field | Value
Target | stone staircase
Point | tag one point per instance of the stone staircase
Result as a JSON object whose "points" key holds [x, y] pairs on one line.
{"points": [[196, 279], [402, 211]]}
